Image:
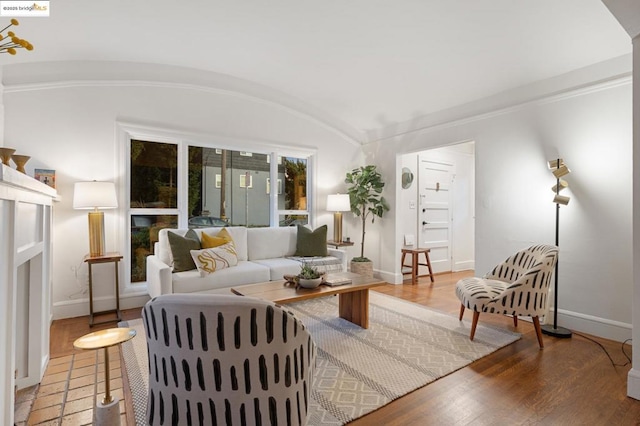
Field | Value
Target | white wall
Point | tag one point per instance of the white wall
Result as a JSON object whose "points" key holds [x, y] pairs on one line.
{"points": [[71, 126], [591, 128]]}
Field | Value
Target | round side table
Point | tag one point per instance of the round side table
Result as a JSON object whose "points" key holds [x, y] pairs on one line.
{"points": [[108, 410]]}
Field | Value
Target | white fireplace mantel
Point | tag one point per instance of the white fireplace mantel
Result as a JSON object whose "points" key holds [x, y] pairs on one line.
{"points": [[25, 283]]}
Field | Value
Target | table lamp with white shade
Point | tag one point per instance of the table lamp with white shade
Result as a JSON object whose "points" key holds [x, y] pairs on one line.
{"points": [[95, 196], [338, 203]]}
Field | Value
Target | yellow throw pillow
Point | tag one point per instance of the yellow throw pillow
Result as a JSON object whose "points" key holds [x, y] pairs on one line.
{"points": [[211, 241]]}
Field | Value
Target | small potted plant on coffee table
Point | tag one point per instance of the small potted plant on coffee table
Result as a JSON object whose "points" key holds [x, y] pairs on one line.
{"points": [[309, 277]]}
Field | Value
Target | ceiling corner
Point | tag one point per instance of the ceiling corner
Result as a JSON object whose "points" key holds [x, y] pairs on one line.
{"points": [[627, 12]]}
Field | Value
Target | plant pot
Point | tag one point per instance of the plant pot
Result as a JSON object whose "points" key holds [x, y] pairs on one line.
{"points": [[309, 283], [362, 268]]}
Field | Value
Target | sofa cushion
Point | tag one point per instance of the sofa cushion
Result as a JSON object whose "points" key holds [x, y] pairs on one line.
{"points": [[238, 235], [210, 260], [267, 243], [244, 273], [181, 247], [210, 241], [279, 267], [311, 243]]}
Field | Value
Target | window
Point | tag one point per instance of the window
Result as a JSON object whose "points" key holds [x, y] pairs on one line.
{"points": [[153, 202], [229, 186], [292, 208], [173, 184], [241, 194]]}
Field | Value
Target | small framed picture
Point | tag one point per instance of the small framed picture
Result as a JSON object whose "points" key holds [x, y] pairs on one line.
{"points": [[46, 176]]}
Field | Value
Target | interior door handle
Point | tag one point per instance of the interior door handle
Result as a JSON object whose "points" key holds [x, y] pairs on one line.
{"points": [[425, 223]]}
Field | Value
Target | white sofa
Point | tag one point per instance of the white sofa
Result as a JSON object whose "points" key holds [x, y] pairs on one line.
{"points": [[264, 254]]}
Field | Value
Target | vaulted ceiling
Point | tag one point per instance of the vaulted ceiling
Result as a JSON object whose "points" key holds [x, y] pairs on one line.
{"points": [[368, 63]]}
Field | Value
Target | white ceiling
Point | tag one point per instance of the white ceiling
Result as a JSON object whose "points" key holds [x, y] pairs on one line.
{"points": [[369, 63]]}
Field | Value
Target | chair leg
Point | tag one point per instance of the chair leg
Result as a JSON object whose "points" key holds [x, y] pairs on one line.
{"points": [[476, 315], [461, 311], [536, 324], [426, 254], [515, 320]]}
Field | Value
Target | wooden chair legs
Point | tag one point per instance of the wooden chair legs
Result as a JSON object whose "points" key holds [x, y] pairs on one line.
{"points": [[536, 325], [476, 315]]}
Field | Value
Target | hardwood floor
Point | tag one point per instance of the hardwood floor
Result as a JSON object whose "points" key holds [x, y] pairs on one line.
{"points": [[570, 381]]}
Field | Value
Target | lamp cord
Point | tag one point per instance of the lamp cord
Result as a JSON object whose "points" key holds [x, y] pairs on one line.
{"points": [[607, 353]]}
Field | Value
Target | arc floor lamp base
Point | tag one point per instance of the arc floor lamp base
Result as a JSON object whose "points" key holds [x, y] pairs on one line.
{"points": [[550, 330]]}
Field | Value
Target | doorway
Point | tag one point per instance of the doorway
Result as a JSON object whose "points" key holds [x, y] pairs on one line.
{"points": [[438, 212]]}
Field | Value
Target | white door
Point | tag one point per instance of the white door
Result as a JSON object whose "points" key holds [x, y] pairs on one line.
{"points": [[434, 217]]}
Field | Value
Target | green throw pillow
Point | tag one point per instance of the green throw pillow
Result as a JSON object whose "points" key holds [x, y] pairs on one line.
{"points": [[311, 243], [181, 250]]}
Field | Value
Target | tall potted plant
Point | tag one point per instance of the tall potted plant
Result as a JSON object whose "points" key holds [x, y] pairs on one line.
{"points": [[365, 196]]}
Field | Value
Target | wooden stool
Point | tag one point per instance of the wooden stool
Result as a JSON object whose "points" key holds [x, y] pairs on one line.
{"points": [[415, 263]]}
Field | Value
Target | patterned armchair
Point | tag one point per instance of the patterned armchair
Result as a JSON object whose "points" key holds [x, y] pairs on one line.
{"points": [[517, 286], [225, 359]]}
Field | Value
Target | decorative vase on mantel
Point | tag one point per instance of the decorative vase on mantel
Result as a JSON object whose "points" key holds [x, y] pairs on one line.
{"points": [[5, 154], [20, 161]]}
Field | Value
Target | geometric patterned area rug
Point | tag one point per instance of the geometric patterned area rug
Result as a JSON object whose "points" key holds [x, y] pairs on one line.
{"points": [[406, 346]]}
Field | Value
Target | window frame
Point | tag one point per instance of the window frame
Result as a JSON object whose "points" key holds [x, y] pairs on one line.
{"points": [[126, 132]]}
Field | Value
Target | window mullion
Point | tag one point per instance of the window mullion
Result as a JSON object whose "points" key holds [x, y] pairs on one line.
{"points": [[183, 184]]}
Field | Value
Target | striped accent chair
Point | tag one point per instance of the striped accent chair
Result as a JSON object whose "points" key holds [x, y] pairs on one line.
{"points": [[517, 286], [225, 359]]}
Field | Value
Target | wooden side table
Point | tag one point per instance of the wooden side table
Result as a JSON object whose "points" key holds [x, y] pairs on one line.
{"points": [[338, 244], [415, 263], [114, 258]]}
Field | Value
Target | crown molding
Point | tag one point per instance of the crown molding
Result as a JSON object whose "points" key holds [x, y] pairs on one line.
{"points": [[40, 76], [606, 75]]}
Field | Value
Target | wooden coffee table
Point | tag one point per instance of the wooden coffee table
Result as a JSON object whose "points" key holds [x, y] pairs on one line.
{"points": [[353, 303]]}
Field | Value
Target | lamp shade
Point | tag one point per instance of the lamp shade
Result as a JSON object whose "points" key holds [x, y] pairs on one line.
{"points": [[338, 203], [555, 164], [562, 184], [94, 195], [561, 171], [561, 199]]}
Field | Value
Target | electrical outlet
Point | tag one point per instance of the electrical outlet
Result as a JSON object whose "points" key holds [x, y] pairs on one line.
{"points": [[412, 204]]}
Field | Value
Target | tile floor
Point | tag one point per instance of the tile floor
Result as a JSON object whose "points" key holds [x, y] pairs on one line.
{"points": [[70, 389]]}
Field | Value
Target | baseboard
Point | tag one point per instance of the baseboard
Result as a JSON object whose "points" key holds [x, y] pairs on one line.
{"points": [[633, 383], [588, 324], [389, 277], [80, 307], [464, 266], [595, 326]]}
